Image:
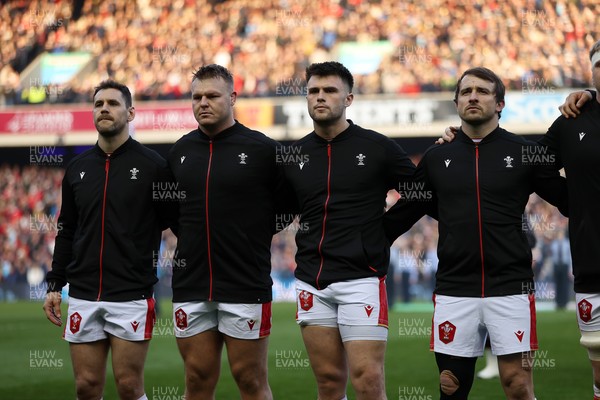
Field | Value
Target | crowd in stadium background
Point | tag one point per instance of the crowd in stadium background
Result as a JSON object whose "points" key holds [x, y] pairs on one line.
{"points": [[152, 46]]}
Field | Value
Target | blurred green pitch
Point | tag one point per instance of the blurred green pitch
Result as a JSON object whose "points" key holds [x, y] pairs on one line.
{"points": [[35, 362]]}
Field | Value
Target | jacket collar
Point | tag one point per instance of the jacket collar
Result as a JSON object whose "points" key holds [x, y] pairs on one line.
{"points": [[121, 149], [346, 133], [225, 133], [490, 136]]}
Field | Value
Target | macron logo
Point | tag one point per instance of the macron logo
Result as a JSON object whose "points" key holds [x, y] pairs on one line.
{"points": [[581, 135], [135, 325], [447, 162], [251, 324], [182, 159], [81, 174], [520, 335], [301, 165]]}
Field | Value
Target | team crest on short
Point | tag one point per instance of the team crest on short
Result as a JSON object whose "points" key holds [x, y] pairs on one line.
{"points": [[181, 319], [585, 310], [306, 300], [446, 330], [74, 322]]}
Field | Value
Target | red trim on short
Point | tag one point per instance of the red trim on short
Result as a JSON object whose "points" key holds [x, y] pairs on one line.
{"points": [[432, 338], [533, 340], [150, 318], [383, 303], [265, 320]]}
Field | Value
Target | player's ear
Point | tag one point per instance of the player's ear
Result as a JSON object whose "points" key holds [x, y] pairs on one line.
{"points": [[349, 99]]}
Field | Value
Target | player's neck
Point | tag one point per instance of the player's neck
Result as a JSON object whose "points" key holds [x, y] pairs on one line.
{"points": [[329, 132], [479, 131], [213, 130], [110, 144]]}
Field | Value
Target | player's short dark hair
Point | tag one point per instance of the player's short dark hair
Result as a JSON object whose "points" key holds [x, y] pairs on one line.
{"points": [[329, 68], [487, 75], [212, 71], [111, 84], [595, 48]]}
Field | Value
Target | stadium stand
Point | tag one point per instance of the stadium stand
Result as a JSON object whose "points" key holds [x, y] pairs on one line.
{"points": [[153, 46]]}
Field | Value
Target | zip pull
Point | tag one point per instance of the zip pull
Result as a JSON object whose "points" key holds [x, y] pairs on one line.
{"points": [[328, 149]]}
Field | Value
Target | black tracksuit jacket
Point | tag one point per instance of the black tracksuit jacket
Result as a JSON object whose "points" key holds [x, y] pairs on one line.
{"points": [[576, 141], [226, 221], [341, 190], [110, 224], [478, 193]]}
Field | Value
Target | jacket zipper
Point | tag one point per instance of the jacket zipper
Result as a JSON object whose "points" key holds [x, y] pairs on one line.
{"points": [[210, 295], [325, 212], [479, 220], [106, 169]]}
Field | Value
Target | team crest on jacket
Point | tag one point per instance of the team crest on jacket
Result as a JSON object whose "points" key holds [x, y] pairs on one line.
{"points": [[361, 159], [181, 319], [74, 322], [306, 300], [134, 171], [243, 157], [585, 310], [446, 330], [509, 161]]}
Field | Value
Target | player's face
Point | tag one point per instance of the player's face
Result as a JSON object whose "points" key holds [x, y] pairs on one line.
{"points": [[596, 74], [212, 103], [476, 102], [111, 115], [327, 98]]}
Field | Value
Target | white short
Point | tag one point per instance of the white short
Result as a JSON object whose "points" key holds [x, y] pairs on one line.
{"points": [[588, 311], [89, 321], [461, 325], [358, 302], [240, 321]]}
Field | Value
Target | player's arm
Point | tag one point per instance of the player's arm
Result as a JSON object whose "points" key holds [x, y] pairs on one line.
{"points": [[547, 182], [168, 210], [63, 253], [411, 206], [284, 197], [575, 101]]}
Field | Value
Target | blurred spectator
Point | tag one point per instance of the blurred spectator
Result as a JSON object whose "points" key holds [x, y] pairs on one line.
{"points": [[561, 260]]}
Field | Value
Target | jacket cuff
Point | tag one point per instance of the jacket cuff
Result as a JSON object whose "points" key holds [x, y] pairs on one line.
{"points": [[592, 92], [54, 286]]}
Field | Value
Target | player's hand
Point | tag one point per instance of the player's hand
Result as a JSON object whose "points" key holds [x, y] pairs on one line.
{"points": [[52, 307], [572, 105], [448, 135]]}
